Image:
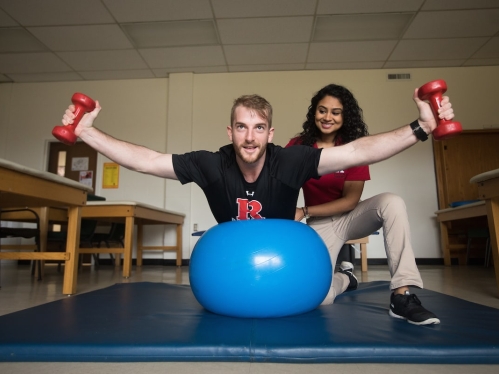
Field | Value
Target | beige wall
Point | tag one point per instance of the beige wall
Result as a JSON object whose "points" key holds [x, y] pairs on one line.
{"points": [[5, 96], [193, 110]]}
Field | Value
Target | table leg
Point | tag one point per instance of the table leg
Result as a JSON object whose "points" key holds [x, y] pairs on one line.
{"points": [[44, 228], [140, 243], [128, 241], [179, 245], [444, 242], [72, 245], [493, 219]]}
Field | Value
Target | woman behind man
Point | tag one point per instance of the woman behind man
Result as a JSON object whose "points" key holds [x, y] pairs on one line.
{"points": [[333, 207]]}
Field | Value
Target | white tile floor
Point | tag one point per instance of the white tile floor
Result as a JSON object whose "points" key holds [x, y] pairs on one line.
{"points": [[20, 291]]}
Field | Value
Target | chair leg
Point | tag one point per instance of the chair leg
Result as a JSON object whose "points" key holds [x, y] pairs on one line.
{"points": [[111, 256], [36, 269], [96, 260], [80, 262], [488, 253], [36, 266], [363, 257]]}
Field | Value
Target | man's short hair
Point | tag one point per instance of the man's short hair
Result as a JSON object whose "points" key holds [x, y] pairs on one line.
{"points": [[256, 103]]}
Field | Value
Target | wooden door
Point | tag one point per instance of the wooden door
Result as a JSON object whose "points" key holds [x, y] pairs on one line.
{"points": [[77, 162]]}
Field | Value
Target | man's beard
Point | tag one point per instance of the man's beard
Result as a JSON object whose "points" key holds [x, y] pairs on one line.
{"points": [[249, 159]]}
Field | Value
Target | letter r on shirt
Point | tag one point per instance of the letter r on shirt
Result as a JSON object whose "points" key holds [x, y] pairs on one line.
{"points": [[248, 209]]}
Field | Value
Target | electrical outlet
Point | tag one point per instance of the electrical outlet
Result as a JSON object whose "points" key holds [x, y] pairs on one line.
{"points": [[195, 227]]}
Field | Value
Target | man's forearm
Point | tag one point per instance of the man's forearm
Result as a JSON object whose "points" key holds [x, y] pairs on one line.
{"points": [[380, 147], [367, 150], [129, 155]]}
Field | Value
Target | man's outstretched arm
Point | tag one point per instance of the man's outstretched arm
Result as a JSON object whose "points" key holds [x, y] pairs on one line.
{"points": [[375, 148], [129, 155]]}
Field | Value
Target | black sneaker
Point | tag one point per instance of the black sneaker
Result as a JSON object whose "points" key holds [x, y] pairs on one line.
{"points": [[347, 269], [409, 307]]}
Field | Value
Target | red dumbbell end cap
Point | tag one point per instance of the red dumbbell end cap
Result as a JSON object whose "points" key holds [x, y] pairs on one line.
{"points": [[80, 99], [431, 88], [64, 135], [447, 130]]}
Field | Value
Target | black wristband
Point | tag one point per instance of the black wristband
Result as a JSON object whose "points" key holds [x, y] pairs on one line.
{"points": [[418, 131]]}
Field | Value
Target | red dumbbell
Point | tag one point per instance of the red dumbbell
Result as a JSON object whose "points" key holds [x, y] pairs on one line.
{"points": [[433, 91], [66, 134]]}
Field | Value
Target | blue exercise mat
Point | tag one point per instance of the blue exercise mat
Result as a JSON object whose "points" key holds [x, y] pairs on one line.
{"points": [[162, 322]]}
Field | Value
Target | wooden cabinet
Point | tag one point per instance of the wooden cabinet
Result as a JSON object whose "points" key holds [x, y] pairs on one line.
{"points": [[459, 159]]}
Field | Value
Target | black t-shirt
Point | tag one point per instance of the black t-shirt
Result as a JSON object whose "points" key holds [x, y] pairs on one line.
{"points": [[273, 195]]}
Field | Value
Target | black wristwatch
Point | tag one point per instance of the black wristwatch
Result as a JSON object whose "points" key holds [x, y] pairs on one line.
{"points": [[418, 131]]}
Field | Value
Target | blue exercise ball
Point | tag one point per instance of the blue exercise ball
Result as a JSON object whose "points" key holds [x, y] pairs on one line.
{"points": [[260, 269]]}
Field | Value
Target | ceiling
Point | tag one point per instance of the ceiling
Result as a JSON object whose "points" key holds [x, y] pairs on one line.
{"points": [[71, 40]]}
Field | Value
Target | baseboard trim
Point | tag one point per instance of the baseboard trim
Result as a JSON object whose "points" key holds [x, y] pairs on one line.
{"points": [[370, 261], [185, 262], [147, 261], [419, 261]]}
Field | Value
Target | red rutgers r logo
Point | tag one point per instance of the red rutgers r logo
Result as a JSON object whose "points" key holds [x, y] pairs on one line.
{"points": [[248, 209]]}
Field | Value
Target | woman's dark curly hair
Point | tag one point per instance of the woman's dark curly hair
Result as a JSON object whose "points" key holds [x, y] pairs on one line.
{"points": [[353, 123]]}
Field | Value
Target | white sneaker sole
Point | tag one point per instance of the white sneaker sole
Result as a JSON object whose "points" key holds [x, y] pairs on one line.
{"points": [[345, 265], [429, 321]]}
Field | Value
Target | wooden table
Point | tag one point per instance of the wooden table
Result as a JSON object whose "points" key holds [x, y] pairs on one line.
{"points": [[133, 213], [21, 186], [446, 216], [488, 190]]}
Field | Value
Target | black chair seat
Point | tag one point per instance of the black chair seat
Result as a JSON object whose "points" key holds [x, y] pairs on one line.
{"points": [[14, 232], [26, 233]]}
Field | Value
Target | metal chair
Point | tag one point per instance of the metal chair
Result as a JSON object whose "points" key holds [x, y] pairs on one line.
{"points": [[115, 235], [22, 232], [59, 238]]}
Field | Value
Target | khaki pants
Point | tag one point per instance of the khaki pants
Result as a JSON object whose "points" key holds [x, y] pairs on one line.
{"points": [[385, 210]]}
